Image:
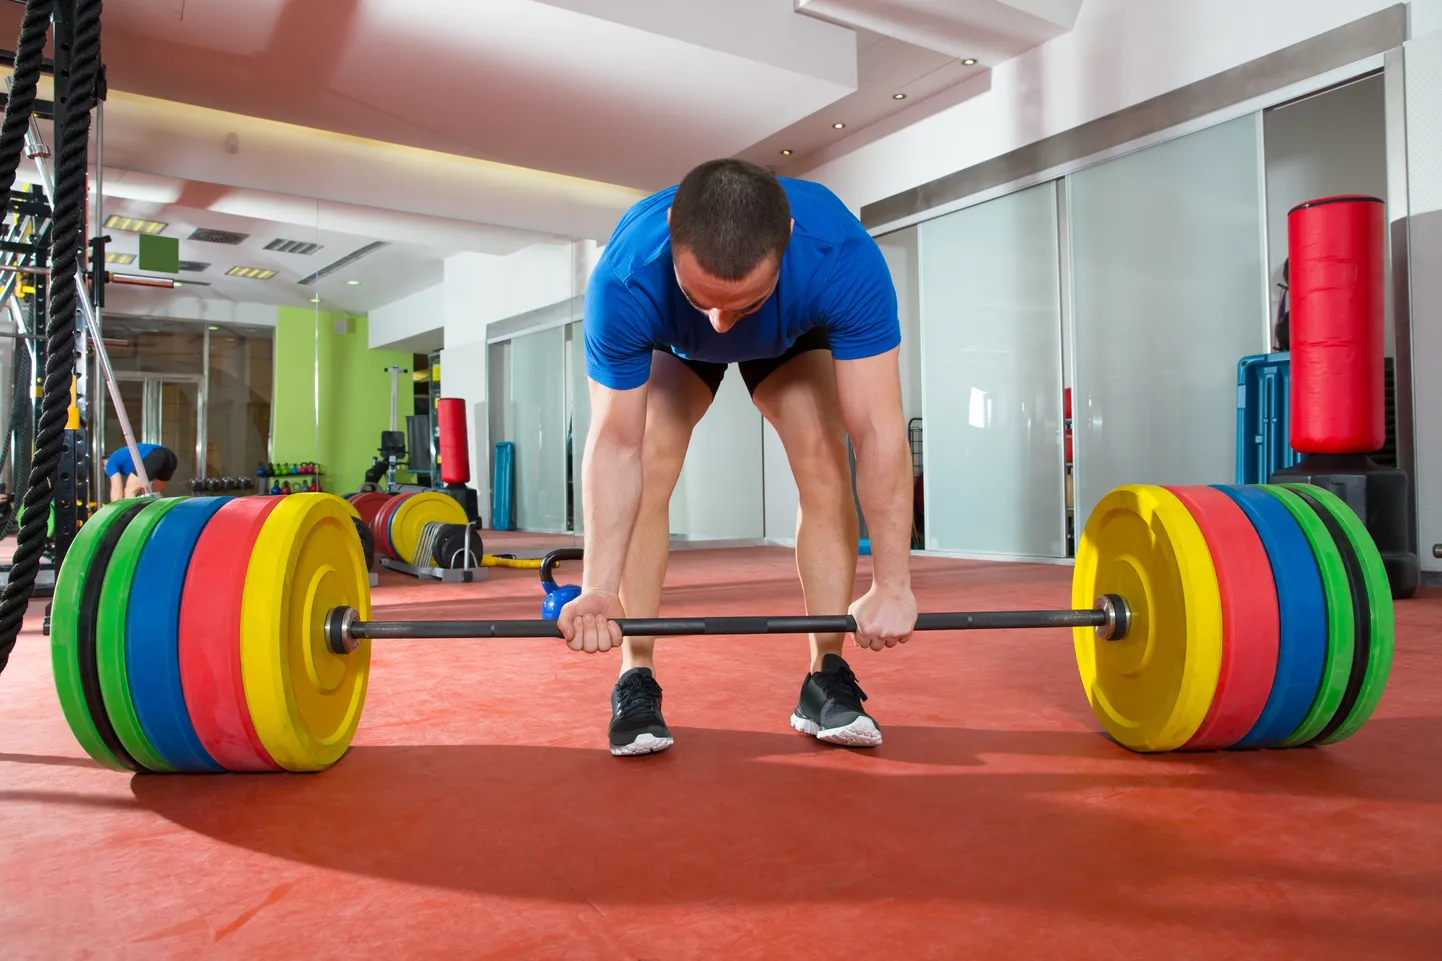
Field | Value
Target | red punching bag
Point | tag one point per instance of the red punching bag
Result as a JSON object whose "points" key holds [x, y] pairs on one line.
{"points": [[1337, 272], [455, 454]]}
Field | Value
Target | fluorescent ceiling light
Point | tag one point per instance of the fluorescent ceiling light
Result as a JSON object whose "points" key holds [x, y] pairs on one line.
{"points": [[251, 273], [134, 224], [112, 258]]}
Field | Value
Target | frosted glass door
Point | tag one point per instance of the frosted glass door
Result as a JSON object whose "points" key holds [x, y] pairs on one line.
{"points": [[992, 377], [1168, 294], [537, 420]]}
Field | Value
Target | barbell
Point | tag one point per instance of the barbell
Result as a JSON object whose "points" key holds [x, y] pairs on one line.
{"points": [[234, 634]]}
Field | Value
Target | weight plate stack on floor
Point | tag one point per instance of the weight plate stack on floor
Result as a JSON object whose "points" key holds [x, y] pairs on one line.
{"points": [[152, 634], [75, 610], [367, 504], [450, 549], [1372, 613], [409, 519], [305, 701], [210, 633], [1152, 689], [1341, 623], [110, 635], [1302, 616], [1249, 618], [381, 525]]}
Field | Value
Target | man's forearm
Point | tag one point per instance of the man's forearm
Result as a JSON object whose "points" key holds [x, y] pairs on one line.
{"points": [[884, 487], [611, 498]]}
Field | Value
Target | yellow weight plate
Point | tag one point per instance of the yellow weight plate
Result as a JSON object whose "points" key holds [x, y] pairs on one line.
{"points": [[409, 522], [1150, 690], [305, 701]]}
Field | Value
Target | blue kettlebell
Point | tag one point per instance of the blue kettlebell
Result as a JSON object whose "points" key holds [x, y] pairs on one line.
{"points": [[557, 596]]}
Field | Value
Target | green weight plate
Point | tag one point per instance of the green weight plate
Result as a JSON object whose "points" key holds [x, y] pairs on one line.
{"points": [[1341, 624], [110, 635], [1371, 668], [72, 633]]}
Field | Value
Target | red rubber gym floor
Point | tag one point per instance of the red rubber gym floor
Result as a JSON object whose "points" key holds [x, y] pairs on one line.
{"points": [[480, 815]]}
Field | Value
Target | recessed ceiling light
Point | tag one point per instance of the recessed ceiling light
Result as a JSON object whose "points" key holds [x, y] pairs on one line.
{"points": [[838, 126], [898, 96], [352, 283], [215, 328], [786, 153], [315, 299], [134, 225], [251, 273], [969, 62]]}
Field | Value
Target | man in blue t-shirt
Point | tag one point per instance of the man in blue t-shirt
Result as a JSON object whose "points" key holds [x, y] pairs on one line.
{"points": [[160, 464], [779, 278]]}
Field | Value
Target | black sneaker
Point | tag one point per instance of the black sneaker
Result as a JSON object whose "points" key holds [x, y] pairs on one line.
{"points": [[830, 707], [636, 723]]}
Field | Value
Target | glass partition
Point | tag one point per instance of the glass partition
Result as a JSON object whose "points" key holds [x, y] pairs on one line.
{"points": [[992, 377], [1168, 294]]}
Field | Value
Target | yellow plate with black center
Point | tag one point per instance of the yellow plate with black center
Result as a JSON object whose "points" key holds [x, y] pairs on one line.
{"points": [[409, 522], [1150, 690], [304, 700]]}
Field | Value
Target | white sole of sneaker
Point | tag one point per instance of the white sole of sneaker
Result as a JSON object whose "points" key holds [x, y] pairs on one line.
{"points": [[644, 744], [861, 732]]}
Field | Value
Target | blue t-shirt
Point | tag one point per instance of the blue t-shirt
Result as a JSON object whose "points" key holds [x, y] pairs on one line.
{"points": [[832, 276], [120, 462]]}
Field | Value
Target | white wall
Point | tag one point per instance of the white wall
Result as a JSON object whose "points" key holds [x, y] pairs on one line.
{"points": [[478, 290], [720, 491], [1121, 53], [415, 323]]}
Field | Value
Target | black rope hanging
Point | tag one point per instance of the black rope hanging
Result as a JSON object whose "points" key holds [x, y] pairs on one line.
{"points": [[68, 216]]}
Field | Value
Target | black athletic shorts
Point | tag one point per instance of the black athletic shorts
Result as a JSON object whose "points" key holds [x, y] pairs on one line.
{"points": [[160, 464], [753, 372]]}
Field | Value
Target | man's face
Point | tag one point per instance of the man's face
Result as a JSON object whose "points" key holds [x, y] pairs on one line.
{"points": [[724, 302]]}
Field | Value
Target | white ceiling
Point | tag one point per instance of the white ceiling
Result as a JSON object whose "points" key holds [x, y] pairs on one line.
{"points": [[441, 126]]}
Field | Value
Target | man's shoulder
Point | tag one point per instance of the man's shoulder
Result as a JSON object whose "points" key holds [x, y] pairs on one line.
{"points": [[640, 239], [819, 213]]}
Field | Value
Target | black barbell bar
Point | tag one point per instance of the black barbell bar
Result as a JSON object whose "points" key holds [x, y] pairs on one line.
{"points": [[1111, 617]]}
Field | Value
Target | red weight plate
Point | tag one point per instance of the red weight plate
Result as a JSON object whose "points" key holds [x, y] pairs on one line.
{"points": [[210, 674], [1251, 624], [369, 503], [381, 525]]}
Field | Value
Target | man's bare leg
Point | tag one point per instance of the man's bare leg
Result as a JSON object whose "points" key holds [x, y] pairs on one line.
{"points": [[676, 400], [799, 399]]}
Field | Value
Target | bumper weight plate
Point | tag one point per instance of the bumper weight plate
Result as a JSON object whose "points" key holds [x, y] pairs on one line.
{"points": [[1151, 690], [305, 701], [1302, 609], [1249, 618]]}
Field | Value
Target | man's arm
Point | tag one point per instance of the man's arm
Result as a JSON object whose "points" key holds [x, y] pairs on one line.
{"points": [[611, 497], [611, 483], [870, 394]]}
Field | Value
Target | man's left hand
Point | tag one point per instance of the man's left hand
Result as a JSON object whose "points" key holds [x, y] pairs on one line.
{"points": [[884, 618]]}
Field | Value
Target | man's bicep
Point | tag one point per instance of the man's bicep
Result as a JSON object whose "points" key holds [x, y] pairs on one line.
{"points": [[869, 389], [618, 416]]}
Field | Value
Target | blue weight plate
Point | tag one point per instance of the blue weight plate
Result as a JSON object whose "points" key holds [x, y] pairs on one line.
{"points": [[1303, 608], [152, 635]]}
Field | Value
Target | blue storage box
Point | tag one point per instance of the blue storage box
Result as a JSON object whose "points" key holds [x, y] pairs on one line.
{"points": [[1264, 439]]}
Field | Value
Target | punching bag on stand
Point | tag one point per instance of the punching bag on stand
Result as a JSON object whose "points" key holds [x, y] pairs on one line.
{"points": [[1336, 248]]}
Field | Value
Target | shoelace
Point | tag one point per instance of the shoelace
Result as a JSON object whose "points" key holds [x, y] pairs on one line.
{"points": [[841, 686], [639, 696]]}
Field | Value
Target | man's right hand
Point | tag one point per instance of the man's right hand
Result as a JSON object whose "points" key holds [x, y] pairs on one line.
{"points": [[589, 622]]}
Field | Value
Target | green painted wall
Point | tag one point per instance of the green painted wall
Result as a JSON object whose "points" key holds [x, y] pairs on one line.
{"points": [[355, 394]]}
